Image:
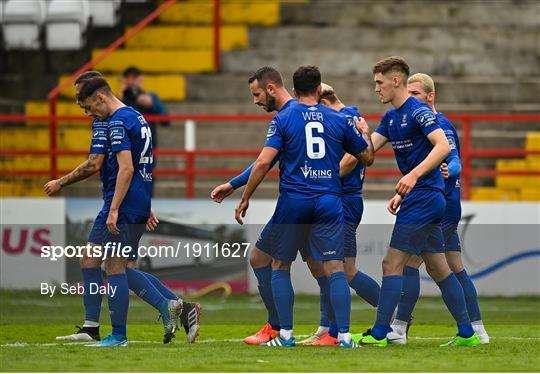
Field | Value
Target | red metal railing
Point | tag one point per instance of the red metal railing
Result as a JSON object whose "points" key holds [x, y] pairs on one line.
{"points": [[55, 92], [190, 172]]}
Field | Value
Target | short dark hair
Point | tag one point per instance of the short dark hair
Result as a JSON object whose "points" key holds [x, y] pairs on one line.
{"points": [[265, 75], [90, 86], [329, 95], [86, 76], [132, 70], [392, 63], [306, 79]]}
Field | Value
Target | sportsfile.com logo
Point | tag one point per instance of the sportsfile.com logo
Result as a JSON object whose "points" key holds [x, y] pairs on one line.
{"points": [[311, 173]]}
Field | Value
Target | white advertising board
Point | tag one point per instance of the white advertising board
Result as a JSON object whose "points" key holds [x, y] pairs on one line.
{"points": [[26, 226]]}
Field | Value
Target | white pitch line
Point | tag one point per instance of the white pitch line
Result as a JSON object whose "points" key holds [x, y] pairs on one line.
{"points": [[206, 341]]}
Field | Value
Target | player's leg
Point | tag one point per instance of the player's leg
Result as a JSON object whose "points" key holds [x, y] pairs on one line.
{"points": [[453, 257], [326, 244], [92, 277], [118, 296], [260, 261], [364, 286], [90, 264], [287, 233], [452, 294], [409, 296], [392, 282], [327, 331]]}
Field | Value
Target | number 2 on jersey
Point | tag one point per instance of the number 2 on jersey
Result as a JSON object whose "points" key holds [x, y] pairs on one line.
{"points": [[146, 134], [311, 141]]}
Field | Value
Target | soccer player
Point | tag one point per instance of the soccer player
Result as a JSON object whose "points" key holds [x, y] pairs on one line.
{"points": [[310, 139], [352, 180], [267, 89], [147, 286], [422, 87], [420, 146]]}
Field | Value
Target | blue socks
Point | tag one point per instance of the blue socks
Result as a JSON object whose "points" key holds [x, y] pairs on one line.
{"points": [[283, 294], [410, 293], [453, 297], [366, 288], [264, 277], [168, 294], [328, 317], [340, 295], [471, 297], [140, 284], [92, 303], [119, 303], [388, 300]]}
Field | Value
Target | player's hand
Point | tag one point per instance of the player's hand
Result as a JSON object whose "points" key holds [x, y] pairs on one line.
{"points": [[361, 125], [152, 221], [219, 193], [52, 187], [111, 222], [444, 170], [394, 204], [241, 210], [406, 184]]}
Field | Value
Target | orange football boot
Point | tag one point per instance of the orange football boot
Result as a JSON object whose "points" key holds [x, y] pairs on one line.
{"points": [[325, 339], [264, 335]]}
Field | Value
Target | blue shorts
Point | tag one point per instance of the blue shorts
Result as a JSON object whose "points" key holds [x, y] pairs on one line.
{"points": [[265, 244], [131, 228], [451, 238], [297, 225], [353, 208], [418, 223]]}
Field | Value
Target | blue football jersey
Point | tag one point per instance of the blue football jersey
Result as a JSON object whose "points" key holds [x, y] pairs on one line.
{"points": [[407, 128], [100, 145], [452, 185], [129, 131], [353, 182], [311, 141]]}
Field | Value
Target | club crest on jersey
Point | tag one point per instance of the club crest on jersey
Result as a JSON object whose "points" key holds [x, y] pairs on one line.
{"points": [[391, 122], [311, 173], [404, 121]]}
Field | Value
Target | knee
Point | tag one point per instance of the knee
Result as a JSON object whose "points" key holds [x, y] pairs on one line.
{"points": [[331, 267], [259, 259], [350, 270], [115, 266], [316, 268], [391, 267], [89, 262], [280, 265], [454, 262]]}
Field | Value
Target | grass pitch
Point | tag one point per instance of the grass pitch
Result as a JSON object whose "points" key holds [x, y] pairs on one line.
{"points": [[29, 323]]}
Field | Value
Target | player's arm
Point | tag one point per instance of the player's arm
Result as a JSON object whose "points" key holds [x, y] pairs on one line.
{"points": [[258, 172], [349, 162], [452, 166], [219, 193], [440, 150], [378, 141], [123, 180], [81, 172]]}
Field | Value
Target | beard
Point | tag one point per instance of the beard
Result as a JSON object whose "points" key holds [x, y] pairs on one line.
{"points": [[271, 104]]}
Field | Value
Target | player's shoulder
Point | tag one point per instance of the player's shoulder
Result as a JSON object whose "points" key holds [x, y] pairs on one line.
{"points": [[416, 106], [128, 117]]}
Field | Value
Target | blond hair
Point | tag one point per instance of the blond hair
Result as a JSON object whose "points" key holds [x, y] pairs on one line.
{"points": [[425, 80]]}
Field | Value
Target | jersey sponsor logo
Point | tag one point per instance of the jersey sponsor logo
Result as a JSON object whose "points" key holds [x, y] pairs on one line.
{"points": [[272, 129], [311, 173], [142, 120], [146, 176], [99, 134], [424, 116], [458, 183], [117, 133]]}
